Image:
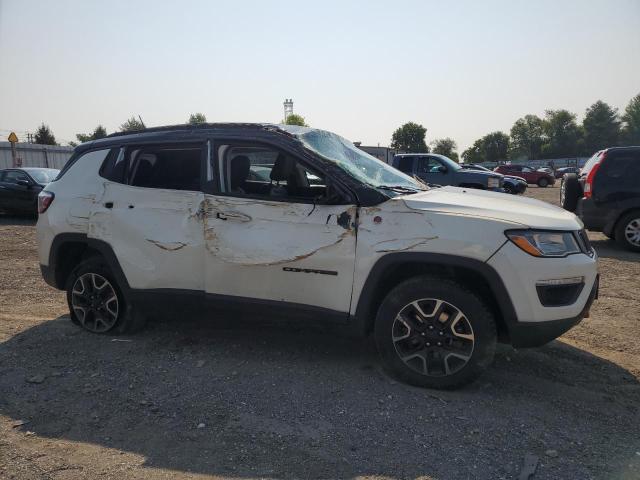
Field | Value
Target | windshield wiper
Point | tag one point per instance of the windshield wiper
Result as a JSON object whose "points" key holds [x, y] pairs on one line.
{"points": [[400, 188]]}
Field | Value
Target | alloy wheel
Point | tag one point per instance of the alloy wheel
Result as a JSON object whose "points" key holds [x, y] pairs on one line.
{"points": [[632, 232], [95, 302], [433, 337]]}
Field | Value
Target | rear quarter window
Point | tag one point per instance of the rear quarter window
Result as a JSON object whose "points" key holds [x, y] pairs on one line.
{"points": [[98, 155]]}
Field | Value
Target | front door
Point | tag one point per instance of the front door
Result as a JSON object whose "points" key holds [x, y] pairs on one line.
{"points": [[431, 170], [269, 236], [149, 214]]}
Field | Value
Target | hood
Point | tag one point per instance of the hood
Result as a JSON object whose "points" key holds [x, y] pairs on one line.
{"points": [[482, 173], [513, 177], [526, 212]]}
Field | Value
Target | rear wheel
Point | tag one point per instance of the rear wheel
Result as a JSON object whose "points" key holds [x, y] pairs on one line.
{"points": [[570, 192], [433, 332], [543, 182], [96, 302], [627, 232]]}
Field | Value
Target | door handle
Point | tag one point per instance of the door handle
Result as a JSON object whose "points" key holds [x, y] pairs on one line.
{"points": [[233, 216], [108, 205]]}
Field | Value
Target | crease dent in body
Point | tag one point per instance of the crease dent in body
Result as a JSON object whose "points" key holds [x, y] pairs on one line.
{"points": [[169, 246], [250, 261], [400, 248]]}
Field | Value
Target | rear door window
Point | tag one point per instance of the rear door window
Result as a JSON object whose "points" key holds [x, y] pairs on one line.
{"points": [[405, 164], [169, 167]]}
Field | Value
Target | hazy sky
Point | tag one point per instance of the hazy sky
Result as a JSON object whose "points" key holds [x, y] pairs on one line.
{"points": [[361, 69]]}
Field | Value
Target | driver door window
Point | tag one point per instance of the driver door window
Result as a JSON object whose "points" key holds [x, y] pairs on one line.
{"points": [[263, 172], [429, 165]]}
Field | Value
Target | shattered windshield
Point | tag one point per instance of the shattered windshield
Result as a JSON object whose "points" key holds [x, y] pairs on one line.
{"points": [[356, 162]]}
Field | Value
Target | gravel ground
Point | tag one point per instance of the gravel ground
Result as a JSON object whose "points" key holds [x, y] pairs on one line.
{"points": [[194, 398]]}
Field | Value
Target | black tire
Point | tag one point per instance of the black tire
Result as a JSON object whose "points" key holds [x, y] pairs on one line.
{"points": [[101, 318], [543, 182], [624, 231], [508, 188], [476, 321], [570, 192]]}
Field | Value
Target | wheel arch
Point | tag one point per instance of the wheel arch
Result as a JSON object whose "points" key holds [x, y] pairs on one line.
{"points": [[394, 268], [611, 226], [69, 249]]}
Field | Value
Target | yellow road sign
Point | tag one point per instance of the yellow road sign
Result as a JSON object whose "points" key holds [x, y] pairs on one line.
{"points": [[13, 138]]}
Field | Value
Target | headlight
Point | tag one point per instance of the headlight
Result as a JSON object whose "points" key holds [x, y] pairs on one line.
{"points": [[541, 243], [493, 182]]}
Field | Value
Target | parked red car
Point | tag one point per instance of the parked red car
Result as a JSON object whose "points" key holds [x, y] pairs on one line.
{"points": [[542, 179]]}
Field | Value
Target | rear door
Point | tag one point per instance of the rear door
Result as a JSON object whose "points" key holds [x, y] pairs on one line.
{"points": [[149, 214], [271, 237]]}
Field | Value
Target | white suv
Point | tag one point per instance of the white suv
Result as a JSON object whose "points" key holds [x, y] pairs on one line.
{"points": [[297, 223]]}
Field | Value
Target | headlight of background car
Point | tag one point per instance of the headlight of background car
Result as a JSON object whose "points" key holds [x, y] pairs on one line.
{"points": [[544, 243], [493, 182]]}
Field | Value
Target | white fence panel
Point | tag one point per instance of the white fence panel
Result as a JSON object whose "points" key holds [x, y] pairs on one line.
{"points": [[34, 155]]}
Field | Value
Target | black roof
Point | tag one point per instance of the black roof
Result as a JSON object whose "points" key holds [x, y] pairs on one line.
{"points": [[204, 126]]}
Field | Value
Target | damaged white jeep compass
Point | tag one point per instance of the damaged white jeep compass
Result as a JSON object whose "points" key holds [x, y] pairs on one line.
{"points": [[298, 223]]}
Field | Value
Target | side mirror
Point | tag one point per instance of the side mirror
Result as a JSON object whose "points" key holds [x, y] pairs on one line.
{"points": [[442, 169], [23, 183]]}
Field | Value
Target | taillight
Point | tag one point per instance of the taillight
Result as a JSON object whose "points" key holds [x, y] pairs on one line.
{"points": [[44, 200], [588, 183]]}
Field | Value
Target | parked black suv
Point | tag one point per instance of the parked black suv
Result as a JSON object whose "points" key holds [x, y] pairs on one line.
{"points": [[606, 194]]}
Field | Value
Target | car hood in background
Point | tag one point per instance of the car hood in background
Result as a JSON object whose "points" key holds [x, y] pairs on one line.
{"points": [[479, 203]]}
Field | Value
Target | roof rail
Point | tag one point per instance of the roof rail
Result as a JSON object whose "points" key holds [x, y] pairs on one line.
{"points": [[199, 126]]}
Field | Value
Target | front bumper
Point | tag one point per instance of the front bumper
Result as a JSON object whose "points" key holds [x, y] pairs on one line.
{"points": [[530, 334], [534, 324]]}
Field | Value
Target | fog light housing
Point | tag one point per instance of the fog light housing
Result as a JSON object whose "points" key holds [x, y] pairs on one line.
{"points": [[559, 292]]}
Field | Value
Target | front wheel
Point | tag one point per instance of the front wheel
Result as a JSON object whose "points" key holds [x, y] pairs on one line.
{"points": [[433, 332], [543, 183]]}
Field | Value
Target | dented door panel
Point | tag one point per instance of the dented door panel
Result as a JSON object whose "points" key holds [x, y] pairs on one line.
{"points": [[292, 252], [155, 233]]}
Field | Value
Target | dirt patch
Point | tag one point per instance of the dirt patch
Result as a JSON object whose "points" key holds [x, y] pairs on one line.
{"points": [[209, 399]]}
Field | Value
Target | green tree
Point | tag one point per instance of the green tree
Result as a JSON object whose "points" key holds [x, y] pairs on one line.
{"points": [[490, 148], [601, 127], [496, 146], [44, 136], [526, 138], [99, 132], [631, 119], [445, 146], [295, 119], [132, 125], [475, 153], [196, 118], [563, 136], [410, 138]]}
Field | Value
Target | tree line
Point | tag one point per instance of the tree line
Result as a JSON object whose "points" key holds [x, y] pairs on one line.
{"points": [[556, 135]]}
